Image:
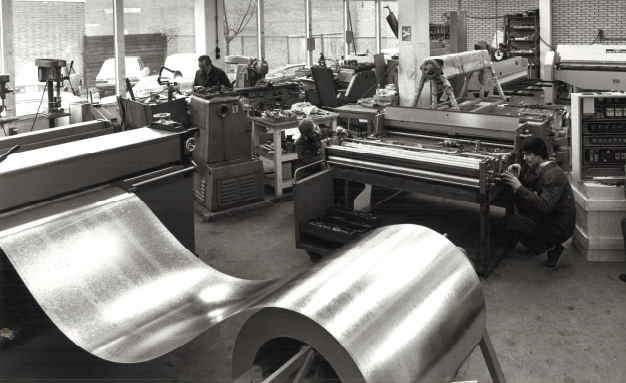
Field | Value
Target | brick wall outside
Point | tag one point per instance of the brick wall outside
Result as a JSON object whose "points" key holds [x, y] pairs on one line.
{"points": [[484, 17], [578, 21], [47, 30]]}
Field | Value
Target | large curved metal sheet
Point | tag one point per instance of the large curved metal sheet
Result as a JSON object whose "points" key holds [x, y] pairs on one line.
{"points": [[118, 284], [402, 304]]}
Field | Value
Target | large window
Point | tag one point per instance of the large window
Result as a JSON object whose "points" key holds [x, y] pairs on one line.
{"points": [[389, 41], [284, 33], [47, 29]]}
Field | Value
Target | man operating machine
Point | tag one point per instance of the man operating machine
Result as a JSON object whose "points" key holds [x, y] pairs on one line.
{"points": [[208, 75], [547, 212]]}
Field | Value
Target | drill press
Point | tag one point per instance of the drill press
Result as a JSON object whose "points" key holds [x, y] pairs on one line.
{"points": [[4, 89], [49, 71]]}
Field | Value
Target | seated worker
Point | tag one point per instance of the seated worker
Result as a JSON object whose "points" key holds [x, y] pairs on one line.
{"points": [[546, 207], [208, 75], [308, 147]]}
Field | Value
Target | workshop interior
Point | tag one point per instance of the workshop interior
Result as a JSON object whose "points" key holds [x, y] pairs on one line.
{"points": [[166, 216]]}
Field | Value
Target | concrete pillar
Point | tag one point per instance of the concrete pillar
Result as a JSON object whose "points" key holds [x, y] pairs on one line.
{"points": [[8, 64], [260, 29], [377, 25], [545, 31], [346, 27], [414, 47], [119, 47], [308, 21], [209, 25]]}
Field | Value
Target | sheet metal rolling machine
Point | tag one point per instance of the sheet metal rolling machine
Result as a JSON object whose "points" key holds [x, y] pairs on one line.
{"points": [[44, 138], [456, 148], [455, 155], [153, 163]]}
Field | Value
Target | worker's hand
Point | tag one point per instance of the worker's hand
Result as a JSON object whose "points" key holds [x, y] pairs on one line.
{"points": [[511, 179], [515, 169]]}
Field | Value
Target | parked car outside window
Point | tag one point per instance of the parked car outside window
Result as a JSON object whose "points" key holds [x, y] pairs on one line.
{"points": [[135, 71], [148, 85], [185, 63]]}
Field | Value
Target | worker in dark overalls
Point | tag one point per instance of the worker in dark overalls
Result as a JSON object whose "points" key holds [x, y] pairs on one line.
{"points": [[622, 277], [546, 207], [308, 148]]}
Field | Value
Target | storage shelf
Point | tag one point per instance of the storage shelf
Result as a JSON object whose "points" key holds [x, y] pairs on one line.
{"points": [[524, 26]]}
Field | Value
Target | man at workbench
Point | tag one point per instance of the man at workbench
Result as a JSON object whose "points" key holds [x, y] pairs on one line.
{"points": [[546, 207], [308, 147], [208, 75]]}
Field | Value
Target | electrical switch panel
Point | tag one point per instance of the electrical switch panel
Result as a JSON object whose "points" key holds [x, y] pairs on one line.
{"points": [[598, 135]]}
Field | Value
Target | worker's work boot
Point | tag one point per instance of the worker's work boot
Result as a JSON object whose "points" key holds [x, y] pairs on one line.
{"points": [[554, 257]]}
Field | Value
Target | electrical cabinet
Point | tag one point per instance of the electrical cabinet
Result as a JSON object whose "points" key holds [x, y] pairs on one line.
{"points": [[598, 135]]}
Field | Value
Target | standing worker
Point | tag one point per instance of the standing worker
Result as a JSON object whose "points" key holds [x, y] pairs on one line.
{"points": [[546, 207], [208, 75]]}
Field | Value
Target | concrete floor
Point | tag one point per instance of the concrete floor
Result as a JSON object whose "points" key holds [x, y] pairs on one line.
{"points": [[567, 325]]}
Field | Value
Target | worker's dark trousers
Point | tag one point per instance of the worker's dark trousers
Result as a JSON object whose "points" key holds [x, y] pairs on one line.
{"points": [[534, 233]]}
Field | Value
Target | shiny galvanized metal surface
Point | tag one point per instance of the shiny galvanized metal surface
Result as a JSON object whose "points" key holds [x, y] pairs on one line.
{"points": [[456, 64], [401, 303]]}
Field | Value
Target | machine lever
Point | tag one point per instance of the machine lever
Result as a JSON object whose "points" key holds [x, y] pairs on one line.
{"points": [[130, 89], [181, 171], [11, 151]]}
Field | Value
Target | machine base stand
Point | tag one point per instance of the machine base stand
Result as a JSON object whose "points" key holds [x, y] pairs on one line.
{"points": [[302, 360], [208, 215]]}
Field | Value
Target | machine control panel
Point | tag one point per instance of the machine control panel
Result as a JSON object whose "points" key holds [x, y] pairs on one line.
{"points": [[598, 135]]}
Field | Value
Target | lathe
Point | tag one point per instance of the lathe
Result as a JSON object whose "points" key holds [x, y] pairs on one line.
{"points": [[227, 175]]}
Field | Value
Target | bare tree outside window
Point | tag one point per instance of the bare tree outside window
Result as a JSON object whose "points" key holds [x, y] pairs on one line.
{"points": [[237, 15]]}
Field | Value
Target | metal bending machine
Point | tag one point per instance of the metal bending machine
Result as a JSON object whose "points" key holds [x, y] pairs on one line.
{"points": [[457, 155], [586, 67]]}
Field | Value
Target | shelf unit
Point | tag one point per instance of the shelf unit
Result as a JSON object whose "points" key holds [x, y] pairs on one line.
{"points": [[522, 39], [439, 32]]}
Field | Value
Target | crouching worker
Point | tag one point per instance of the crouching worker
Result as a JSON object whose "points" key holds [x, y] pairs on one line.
{"points": [[547, 213], [308, 148]]}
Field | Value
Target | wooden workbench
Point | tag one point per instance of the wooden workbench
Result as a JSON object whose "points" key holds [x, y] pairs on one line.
{"points": [[259, 124]]}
